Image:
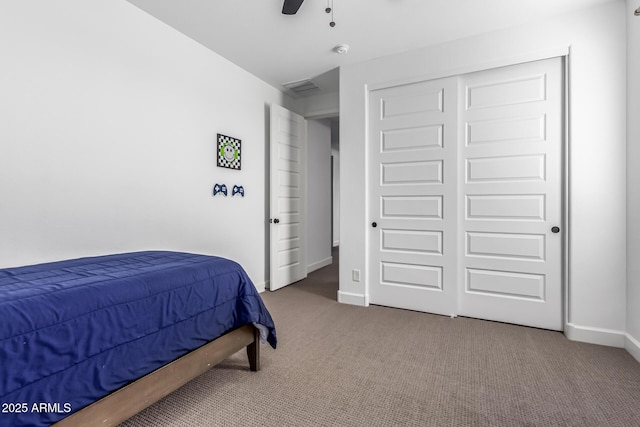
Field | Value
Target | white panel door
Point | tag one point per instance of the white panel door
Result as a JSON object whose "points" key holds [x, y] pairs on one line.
{"points": [[412, 196], [511, 194], [288, 198]]}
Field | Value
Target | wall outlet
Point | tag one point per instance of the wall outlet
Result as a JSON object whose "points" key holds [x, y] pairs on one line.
{"points": [[355, 275]]}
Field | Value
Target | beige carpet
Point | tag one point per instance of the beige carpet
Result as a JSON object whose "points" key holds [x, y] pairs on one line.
{"points": [[341, 365]]}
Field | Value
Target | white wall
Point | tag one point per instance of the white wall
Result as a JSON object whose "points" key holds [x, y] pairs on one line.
{"points": [[327, 105], [633, 178], [320, 106], [107, 142], [318, 194], [596, 37]]}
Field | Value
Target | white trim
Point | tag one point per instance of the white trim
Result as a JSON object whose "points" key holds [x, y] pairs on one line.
{"points": [[318, 265], [261, 287], [327, 113], [367, 195], [353, 299], [336, 243], [537, 55], [601, 336], [632, 345], [566, 200]]}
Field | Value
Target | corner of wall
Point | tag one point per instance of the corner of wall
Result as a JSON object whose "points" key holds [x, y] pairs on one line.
{"points": [[361, 300], [322, 105], [593, 335], [632, 345], [261, 287], [319, 264]]}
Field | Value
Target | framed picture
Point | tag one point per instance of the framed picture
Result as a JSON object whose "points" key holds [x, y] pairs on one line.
{"points": [[229, 154]]}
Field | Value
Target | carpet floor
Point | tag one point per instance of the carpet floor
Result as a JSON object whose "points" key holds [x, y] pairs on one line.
{"points": [[342, 365]]}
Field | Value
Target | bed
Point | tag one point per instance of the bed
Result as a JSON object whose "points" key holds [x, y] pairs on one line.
{"points": [[95, 340]]}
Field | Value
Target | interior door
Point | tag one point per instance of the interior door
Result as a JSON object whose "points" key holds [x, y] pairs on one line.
{"points": [[288, 132], [412, 199], [511, 176]]}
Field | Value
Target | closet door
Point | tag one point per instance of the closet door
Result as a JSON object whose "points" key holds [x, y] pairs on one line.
{"points": [[412, 196], [511, 194]]}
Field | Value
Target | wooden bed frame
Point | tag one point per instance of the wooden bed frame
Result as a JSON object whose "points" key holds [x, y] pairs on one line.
{"points": [[127, 401]]}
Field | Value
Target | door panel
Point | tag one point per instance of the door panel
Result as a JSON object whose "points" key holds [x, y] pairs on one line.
{"points": [[411, 206], [413, 196], [411, 139], [506, 168], [511, 262], [287, 198], [507, 91], [500, 207], [428, 172], [505, 284], [412, 241]]}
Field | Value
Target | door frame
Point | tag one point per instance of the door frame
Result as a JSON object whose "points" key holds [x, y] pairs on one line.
{"points": [[324, 114]]}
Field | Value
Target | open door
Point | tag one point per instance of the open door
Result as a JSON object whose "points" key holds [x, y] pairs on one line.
{"points": [[288, 204]]}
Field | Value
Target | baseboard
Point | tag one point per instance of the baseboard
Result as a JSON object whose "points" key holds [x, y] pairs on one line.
{"points": [[632, 345], [601, 336], [353, 299], [261, 287], [318, 265]]}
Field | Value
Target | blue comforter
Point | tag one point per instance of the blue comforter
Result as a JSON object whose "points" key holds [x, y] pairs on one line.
{"points": [[73, 331]]}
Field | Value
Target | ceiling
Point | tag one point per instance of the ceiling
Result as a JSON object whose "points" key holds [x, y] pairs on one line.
{"points": [[279, 49]]}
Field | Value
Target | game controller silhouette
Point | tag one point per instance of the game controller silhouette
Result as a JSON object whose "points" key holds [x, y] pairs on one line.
{"points": [[220, 188], [238, 189]]}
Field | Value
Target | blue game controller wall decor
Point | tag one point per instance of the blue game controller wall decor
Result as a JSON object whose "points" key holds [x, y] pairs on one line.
{"points": [[221, 189], [238, 189]]}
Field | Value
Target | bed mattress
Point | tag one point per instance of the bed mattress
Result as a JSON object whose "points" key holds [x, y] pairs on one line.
{"points": [[73, 331]]}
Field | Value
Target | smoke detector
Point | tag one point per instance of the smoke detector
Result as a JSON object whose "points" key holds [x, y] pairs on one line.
{"points": [[341, 48]]}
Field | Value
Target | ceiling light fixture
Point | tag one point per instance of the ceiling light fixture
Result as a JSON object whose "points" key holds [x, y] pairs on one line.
{"points": [[341, 48], [637, 12]]}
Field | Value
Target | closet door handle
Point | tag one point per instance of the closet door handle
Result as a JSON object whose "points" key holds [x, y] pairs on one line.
{"points": [[374, 224], [555, 229]]}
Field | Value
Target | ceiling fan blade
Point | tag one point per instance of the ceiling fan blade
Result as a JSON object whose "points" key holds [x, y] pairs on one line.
{"points": [[290, 7]]}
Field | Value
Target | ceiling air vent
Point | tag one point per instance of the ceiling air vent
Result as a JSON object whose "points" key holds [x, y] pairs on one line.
{"points": [[302, 87]]}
